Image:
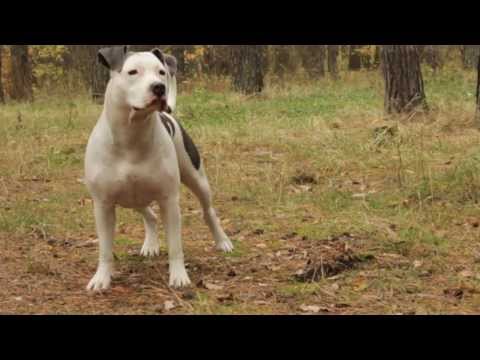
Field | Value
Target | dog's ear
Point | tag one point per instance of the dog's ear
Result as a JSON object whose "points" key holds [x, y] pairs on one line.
{"points": [[159, 54], [168, 60], [113, 57], [172, 64]]}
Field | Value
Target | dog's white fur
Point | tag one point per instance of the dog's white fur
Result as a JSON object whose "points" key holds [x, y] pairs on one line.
{"points": [[133, 161]]}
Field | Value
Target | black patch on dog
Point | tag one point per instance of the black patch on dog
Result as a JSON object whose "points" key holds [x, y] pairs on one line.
{"points": [[188, 143], [191, 149], [169, 125]]}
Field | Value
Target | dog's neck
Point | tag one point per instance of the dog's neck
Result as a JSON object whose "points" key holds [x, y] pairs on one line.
{"points": [[131, 130]]}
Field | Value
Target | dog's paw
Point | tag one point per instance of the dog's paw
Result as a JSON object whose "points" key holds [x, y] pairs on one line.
{"points": [[178, 275], [150, 249], [101, 280], [225, 245]]}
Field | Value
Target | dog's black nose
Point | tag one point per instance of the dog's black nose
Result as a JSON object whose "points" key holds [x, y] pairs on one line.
{"points": [[159, 89]]}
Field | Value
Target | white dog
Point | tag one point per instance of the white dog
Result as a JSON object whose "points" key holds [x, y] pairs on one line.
{"points": [[138, 154]]}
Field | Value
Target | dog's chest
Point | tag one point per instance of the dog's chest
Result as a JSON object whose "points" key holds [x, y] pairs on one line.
{"points": [[134, 185]]}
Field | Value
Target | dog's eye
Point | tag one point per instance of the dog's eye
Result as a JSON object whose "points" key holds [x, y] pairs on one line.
{"points": [[133, 72], [162, 72]]}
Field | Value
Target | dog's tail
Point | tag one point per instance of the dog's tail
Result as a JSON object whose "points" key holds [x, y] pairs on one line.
{"points": [[172, 94]]}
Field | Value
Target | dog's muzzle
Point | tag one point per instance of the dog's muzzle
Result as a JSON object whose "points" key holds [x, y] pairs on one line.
{"points": [[160, 91]]}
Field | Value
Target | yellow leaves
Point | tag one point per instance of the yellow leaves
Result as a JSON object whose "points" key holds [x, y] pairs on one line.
{"points": [[6, 70], [367, 50], [49, 52], [198, 52], [48, 61]]}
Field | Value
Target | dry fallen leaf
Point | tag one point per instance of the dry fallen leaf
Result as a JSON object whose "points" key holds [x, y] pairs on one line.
{"points": [[466, 274], [394, 256], [169, 305], [260, 303], [213, 287], [310, 309], [209, 286], [362, 286], [417, 264], [225, 298], [89, 243]]}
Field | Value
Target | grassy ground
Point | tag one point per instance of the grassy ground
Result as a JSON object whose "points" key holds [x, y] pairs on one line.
{"points": [[329, 214]]}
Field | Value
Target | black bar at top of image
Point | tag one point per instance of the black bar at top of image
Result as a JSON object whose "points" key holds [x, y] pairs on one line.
{"points": [[227, 23], [240, 37]]}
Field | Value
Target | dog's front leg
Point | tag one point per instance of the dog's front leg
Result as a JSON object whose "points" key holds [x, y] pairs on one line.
{"points": [[105, 221], [170, 210]]}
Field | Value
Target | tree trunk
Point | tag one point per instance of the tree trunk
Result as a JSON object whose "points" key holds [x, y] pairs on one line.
{"points": [[377, 61], [79, 58], [179, 52], [432, 56], [354, 58], [100, 76], [463, 54], [404, 89], [366, 59], [217, 60], [142, 48], [333, 60], [283, 62], [466, 58], [249, 67], [322, 55], [68, 62], [2, 94], [22, 78], [477, 116], [85, 62], [209, 60], [345, 51], [313, 60], [470, 55]]}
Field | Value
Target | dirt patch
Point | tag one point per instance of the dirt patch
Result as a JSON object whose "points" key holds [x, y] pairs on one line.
{"points": [[384, 134], [332, 257], [318, 270], [304, 179], [460, 293]]}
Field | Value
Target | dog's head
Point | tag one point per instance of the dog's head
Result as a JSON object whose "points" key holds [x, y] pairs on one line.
{"points": [[144, 81]]}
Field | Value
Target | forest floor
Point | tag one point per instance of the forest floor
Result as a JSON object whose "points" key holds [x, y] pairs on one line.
{"points": [[333, 208]]}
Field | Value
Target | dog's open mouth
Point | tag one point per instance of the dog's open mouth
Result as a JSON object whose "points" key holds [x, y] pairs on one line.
{"points": [[159, 104]]}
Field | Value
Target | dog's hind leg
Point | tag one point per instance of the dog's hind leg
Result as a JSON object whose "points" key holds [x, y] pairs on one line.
{"points": [[198, 183], [194, 177], [151, 246]]}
